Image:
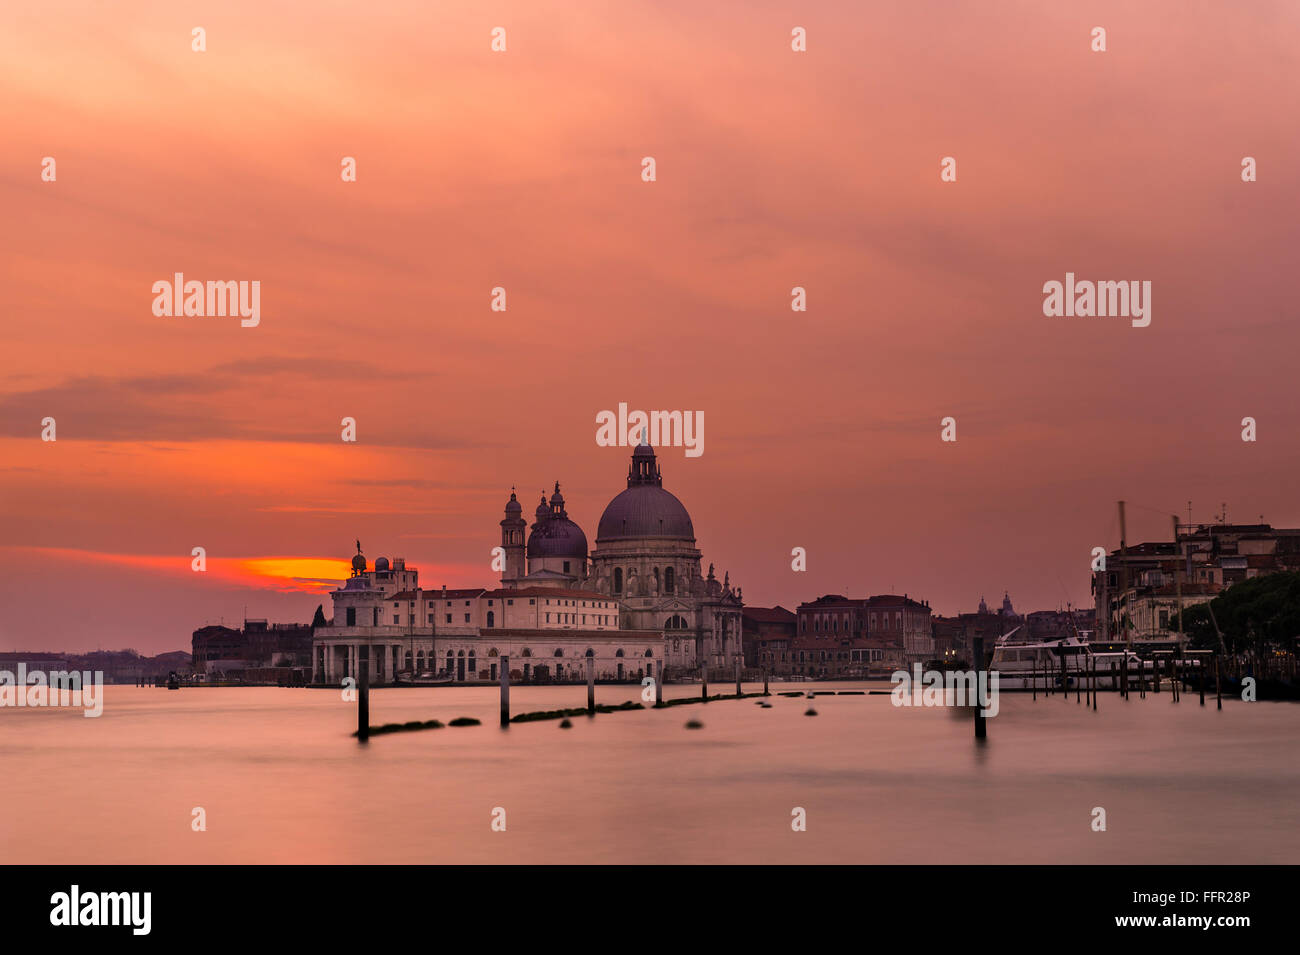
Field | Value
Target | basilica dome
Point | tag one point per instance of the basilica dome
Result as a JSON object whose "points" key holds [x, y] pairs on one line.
{"points": [[645, 509], [554, 535]]}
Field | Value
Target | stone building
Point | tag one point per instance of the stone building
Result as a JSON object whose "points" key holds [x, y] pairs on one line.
{"points": [[848, 636], [768, 636], [637, 602], [646, 557], [1137, 594]]}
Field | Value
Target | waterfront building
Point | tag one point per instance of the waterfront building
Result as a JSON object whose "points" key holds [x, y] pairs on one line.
{"points": [[881, 632], [637, 602], [768, 634], [895, 620], [227, 653], [34, 661], [1138, 594], [954, 636]]}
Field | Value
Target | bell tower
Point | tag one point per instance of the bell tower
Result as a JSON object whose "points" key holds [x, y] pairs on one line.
{"points": [[512, 540]]}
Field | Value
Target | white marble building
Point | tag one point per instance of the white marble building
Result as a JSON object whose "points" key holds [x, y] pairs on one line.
{"points": [[639, 601]]}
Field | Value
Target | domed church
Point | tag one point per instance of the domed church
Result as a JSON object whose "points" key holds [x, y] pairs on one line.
{"points": [[634, 605], [645, 558], [556, 551]]}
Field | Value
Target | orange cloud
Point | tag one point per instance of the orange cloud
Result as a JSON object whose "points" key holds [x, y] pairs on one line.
{"points": [[307, 574], [311, 574]]}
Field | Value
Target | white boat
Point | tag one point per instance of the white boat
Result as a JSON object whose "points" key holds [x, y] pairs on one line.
{"points": [[1023, 666]]}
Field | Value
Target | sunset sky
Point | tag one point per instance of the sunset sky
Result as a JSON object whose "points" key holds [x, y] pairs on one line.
{"points": [[522, 169]]}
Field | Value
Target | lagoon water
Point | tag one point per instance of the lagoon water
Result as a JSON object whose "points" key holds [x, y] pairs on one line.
{"points": [[281, 780]]}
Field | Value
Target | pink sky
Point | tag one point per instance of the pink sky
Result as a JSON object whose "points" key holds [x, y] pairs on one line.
{"points": [[522, 169]]}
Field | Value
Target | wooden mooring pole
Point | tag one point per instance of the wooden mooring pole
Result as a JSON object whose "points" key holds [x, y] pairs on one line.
{"points": [[738, 676], [591, 686], [978, 643], [505, 691], [1218, 681], [659, 684], [704, 683], [1034, 670], [765, 692], [1094, 685], [363, 697]]}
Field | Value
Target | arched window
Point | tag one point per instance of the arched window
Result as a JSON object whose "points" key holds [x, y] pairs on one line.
{"points": [[472, 668], [668, 580], [493, 652], [650, 653], [619, 653], [618, 580], [408, 659], [492, 618], [675, 622], [527, 652], [559, 652], [590, 652], [419, 660]]}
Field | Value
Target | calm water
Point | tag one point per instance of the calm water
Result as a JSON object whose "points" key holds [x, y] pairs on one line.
{"points": [[282, 781]]}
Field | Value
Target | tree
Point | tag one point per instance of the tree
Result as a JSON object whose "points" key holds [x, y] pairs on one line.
{"points": [[319, 620], [1257, 616]]}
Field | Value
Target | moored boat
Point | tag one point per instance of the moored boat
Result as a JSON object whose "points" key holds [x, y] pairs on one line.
{"points": [[1024, 666]]}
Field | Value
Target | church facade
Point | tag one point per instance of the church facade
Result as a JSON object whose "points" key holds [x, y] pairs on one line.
{"points": [[637, 602]]}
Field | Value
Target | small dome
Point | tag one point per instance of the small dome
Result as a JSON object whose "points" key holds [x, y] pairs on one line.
{"points": [[381, 563], [513, 506], [557, 537]]}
